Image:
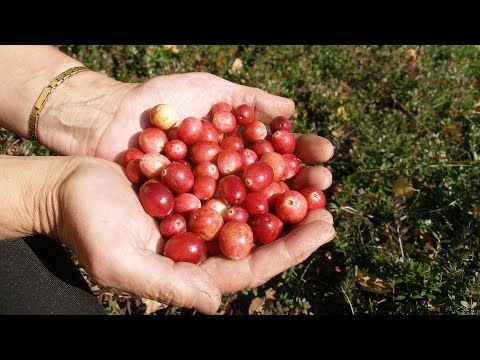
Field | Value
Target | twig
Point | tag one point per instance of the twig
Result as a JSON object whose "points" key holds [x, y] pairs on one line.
{"points": [[348, 299]]}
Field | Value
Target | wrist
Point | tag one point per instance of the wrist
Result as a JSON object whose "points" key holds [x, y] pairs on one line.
{"points": [[33, 186], [78, 112]]}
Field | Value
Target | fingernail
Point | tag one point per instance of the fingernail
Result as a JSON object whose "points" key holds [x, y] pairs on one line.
{"points": [[206, 304]]}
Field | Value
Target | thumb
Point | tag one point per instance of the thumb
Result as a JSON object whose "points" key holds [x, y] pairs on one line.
{"points": [[265, 105], [156, 277]]}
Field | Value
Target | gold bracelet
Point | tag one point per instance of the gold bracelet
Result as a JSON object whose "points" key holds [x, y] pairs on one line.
{"points": [[42, 99]]}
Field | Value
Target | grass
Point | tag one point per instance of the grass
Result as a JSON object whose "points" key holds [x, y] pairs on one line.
{"points": [[405, 121]]}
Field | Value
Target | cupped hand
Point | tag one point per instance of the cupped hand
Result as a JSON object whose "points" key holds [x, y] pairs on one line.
{"points": [[119, 245], [122, 249]]}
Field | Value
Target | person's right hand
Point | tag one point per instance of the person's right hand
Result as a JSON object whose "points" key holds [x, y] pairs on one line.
{"points": [[102, 221]]}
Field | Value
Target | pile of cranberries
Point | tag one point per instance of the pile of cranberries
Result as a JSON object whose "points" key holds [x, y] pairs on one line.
{"points": [[218, 187]]}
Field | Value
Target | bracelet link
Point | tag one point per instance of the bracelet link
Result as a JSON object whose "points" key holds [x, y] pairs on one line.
{"points": [[43, 97]]}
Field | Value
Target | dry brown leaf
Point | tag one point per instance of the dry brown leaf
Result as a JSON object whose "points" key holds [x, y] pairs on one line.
{"points": [[172, 48], [402, 188], [263, 305], [342, 113], [152, 306], [256, 306], [269, 294], [374, 284], [339, 132], [237, 66]]}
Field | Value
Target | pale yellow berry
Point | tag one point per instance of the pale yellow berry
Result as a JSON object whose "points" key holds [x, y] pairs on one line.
{"points": [[163, 116]]}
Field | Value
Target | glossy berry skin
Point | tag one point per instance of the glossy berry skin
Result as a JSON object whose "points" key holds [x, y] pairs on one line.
{"points": [[229, 162], [293, 165], [218, 205], [209, 133], [152, 140], [248, 158], [172, 224], [185, 204], [258, 176], [204, 187], [134, 173], [262, 146], [291, 207], [224, 122], [233, 143], [244, 114], [132, 154], [255, 131], [221, 107], [272, 192], [176, 150], [236, 213], [266, 228], [206, 223], [232, 190], [235, 240], [163, 116], [186, 247], [206, 169], [255, 203], [172, 134], [156, 199], [278, 164], [280, 123], [177, 178], [204, 151], [152, 165], [315, 198], [283, 142], [185, 163], [189, 130]]}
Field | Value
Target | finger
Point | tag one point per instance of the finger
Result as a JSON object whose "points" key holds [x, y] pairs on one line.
{"points": [[313, 149], [316, 176], [316, 215], [149, 275], [265, 105], [269, 260]]}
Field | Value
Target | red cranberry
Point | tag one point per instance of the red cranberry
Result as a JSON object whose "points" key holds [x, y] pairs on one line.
{"points": [[218, 205], [229, 162], [272, 192], [185, 204], [255, 131], [132, 154], [280, 123], [156, 199], [232, 190], [236, 213], [255, 203], [224, 122], [236, 240], [244, 114], [283, 142], [209, 133], [206, 169], [278, 164], [221, 107], [134, 173], [266, 228], [152, 140], [248, 158], [190, 130], [262, 147], [153, 164], [176, 150], [172, 224], [293, 165], [291, 206], [206, 223], [204, 187], [177, 177], [315, 198], [233, 143], [204, 151], [186, 247], [258, 176]]}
